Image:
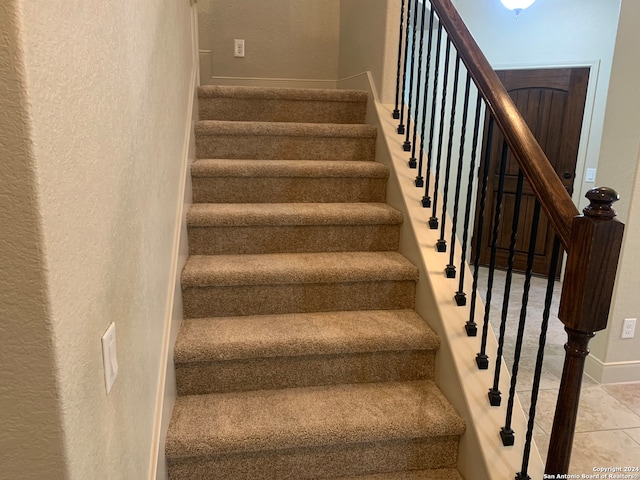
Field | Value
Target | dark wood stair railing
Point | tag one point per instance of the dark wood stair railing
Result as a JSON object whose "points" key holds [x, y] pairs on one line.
{"points": [[592, 240], [551, 193]]}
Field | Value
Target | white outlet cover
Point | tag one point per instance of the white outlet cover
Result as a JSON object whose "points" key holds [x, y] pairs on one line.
{"points": [[628, 327], [109, 356], [238, 48]]}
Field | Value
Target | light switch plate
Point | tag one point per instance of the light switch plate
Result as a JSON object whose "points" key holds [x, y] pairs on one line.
{"points": [[109, 356]]}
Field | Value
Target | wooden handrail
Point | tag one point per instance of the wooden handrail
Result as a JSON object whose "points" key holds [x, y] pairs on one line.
{"points": [[544, 181]]}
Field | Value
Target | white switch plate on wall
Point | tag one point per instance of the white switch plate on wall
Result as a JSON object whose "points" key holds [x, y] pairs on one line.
{"points": [[590, 175], [110, 356]]}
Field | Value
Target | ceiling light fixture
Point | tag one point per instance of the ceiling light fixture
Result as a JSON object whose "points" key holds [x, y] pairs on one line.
{"points": [[517, 5]]}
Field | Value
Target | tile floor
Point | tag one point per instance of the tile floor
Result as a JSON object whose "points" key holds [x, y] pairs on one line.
{"points": [[608, 426]]}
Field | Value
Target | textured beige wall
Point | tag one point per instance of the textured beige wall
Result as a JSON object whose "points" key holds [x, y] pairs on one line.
{"points": [[619, 160], [369, 42], [107, 84], [295, 39], [31, 444]]}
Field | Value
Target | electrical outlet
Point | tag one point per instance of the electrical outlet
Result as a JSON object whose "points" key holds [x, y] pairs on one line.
{"points": [[629, 328], [238, 48]]}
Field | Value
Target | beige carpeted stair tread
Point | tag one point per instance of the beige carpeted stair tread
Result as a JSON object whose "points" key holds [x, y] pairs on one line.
{"points": [[287, 168], [283, 181], [274, 93], [309, 417], [284, 140], [232, 228], [207, 339], [281, 104], [438, 474], [284, 129], [281, 214], [296, 268]]}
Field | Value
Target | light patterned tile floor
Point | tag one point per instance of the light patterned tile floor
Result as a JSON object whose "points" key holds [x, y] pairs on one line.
{"points": [[608, 425]]}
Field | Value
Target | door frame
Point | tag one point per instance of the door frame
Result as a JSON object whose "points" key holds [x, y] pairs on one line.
{"points": [[580, 188]]}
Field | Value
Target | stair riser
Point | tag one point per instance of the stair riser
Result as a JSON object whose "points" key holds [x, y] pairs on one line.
{"points": [[214, 301], [288, 189], [269, 110], [320, 462], [289, 372], [293, 238], [281, 147], [431, 474]]}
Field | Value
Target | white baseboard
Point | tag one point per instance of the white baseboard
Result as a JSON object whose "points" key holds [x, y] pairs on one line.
{"points": [[167, 393], [612, 372], [361, 81], [271, 82]]}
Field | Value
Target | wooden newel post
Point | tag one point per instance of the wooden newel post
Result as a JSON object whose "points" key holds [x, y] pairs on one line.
{"points": [[596, 239]]}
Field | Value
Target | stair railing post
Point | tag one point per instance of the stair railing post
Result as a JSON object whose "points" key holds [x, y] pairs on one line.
{"points": [[594, 249]]}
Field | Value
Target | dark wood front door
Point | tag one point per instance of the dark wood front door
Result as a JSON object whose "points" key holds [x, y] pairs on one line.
{"points": [[552, 103]]}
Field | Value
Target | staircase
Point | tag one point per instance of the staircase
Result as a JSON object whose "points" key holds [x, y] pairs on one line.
{"points": [[300, 356]]}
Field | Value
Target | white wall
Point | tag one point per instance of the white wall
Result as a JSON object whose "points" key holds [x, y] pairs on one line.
{"points": [[284, 39], [615, 359], [108, 88], [368, 42]]}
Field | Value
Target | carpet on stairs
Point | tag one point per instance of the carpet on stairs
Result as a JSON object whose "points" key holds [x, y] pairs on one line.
{"points": [[300, 356]]}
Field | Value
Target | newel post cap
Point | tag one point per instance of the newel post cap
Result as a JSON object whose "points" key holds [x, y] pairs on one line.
{"points": [[601, 200]]}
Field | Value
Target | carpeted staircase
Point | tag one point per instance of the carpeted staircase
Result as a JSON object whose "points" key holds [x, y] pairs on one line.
{"points": [[301, 356]]}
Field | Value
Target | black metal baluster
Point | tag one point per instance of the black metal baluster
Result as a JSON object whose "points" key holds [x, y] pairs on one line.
{"points": [[506, 432], [404, 71], [482, 359], [396, 111], [441, 244], [451, 269], [522, 475], [461, 297], [419, 178], [413, 163], [426, 199], [433, 221], [406, 146], [471, 327], [495, 396]]}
